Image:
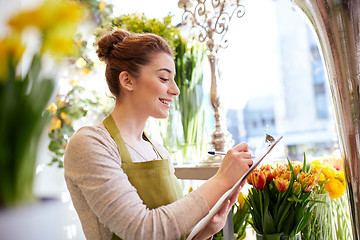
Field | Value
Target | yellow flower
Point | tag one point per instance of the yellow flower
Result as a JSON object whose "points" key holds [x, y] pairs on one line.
{"points": [[241, 200], [60, 103], [74, 83], [80, 62], [335, 188], [190, 189], [12, 48], [56, 123], [50, 14], [341, 176], [52, 108], [102, 6], [85, 71], [64, 116], [329, 171], [59, 42], [322, 177]]}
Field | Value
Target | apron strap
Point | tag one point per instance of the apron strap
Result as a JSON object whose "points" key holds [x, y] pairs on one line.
{"points": [[148, 139], [110, 125]]}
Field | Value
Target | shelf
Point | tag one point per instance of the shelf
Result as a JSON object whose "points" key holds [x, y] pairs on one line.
{"points": [[195, 172]]}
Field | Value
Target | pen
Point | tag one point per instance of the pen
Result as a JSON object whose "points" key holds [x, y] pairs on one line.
{"points": [[220, 153], [216, 153]]}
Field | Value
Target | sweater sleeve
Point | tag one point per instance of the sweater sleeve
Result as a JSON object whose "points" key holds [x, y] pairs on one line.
{"points": [[93, 167]]}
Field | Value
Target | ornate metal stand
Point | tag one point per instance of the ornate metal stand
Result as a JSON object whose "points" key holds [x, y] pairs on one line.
{"points": [[337, 26], [211, 19]]}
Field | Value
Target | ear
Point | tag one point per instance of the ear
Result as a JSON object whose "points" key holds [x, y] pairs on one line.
{"points": [[126, 81]]}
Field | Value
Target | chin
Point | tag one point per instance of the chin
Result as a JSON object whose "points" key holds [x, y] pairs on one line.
{"points": [[161, 116]]}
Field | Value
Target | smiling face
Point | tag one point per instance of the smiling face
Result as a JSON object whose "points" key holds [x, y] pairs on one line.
{"points": [[155, 88]]}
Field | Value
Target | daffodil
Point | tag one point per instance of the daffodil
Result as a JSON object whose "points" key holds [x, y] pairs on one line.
{"points": [[11, 48]]}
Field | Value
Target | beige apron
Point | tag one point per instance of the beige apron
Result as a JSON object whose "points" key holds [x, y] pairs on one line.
{"points": [[154, 181]]}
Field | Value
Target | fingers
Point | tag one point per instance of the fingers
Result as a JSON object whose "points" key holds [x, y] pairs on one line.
{"points": [[242, 147], [225, 209], [235, 195], [249, 162]]}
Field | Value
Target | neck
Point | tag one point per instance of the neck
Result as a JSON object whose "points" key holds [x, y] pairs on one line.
{"points": [[130, 122]]}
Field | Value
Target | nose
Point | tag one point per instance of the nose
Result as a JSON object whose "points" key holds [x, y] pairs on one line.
{"points": [[174, 90]]}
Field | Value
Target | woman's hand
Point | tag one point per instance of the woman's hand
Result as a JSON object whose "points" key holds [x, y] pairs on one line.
{"points": [[218, 221], [234, 165]]}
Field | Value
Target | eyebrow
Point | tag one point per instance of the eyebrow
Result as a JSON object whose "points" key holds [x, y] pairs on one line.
{"points": [[166, 70]]}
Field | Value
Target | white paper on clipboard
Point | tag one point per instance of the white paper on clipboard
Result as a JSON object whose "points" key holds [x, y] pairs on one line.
{"points": [[226, 195]]}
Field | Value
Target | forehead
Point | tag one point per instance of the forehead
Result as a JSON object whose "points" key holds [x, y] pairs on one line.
{"points": [[160, 61]]}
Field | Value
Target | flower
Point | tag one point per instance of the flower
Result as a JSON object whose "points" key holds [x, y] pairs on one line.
{"points": [[282, 205], [331, 179], [335, 188], [102, 5], [56, 24], [52, 108], [257, 179], [296, 188], [12, 48], [307, 181], [80, 62], [56, 124], [281, 184], [241, 200], [329, 171]]}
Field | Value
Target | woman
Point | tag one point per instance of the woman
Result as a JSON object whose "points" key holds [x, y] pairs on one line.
{"points": [[123, 186]]}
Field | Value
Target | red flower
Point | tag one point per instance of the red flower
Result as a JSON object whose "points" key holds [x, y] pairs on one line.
{"points": [[257, 179], [281, 184]]}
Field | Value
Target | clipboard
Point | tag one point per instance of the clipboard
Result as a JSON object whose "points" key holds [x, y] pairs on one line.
{"points": [[226, 195]]}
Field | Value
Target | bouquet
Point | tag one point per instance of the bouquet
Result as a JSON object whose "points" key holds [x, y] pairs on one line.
{"points": [[331, 219], [279, 200]]}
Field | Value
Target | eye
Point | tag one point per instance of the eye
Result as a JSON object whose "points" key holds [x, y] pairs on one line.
{"points": [[164, 79]]}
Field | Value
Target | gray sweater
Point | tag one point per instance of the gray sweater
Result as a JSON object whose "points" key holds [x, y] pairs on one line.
{"points": [[107, 203]]}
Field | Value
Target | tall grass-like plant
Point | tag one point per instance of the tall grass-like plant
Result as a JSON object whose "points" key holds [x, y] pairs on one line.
{"points": [[190, 103]]}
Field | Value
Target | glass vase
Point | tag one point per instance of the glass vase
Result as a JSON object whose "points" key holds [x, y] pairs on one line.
{"points": [[277, 236], [321, 225]]}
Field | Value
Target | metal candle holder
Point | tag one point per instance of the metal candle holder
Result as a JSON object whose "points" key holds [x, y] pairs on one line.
{"points": [[211, 19]]}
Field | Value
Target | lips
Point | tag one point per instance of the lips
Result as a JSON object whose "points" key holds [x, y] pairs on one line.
{"points": [[167, 102]]}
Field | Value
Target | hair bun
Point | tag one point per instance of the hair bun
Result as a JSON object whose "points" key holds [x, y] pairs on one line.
{"points": [[106, 43]]}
